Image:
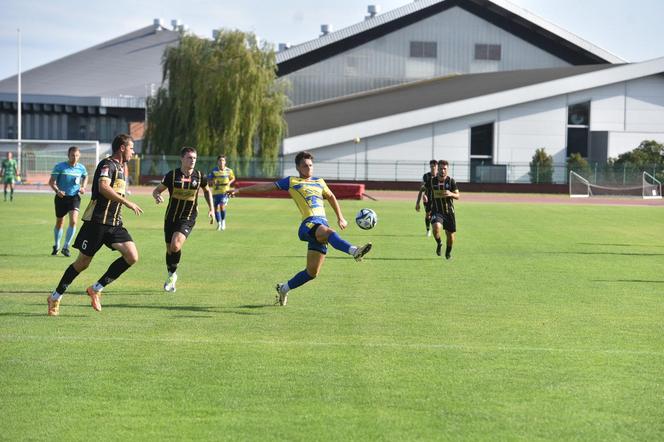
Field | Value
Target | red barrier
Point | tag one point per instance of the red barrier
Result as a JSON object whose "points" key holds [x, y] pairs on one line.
{"points": [[347, 191]]}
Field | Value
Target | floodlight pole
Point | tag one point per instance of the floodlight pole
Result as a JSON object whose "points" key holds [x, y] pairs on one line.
{"points": [[20, 105]]}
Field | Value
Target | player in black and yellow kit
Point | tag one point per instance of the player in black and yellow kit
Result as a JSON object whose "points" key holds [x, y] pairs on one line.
{"points": [[445, 191], [102, 225], [183, 185], [426, 189]]}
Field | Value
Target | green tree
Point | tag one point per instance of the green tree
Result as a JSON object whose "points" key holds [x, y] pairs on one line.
{"points": [[220, 96], [578, 164], [541, 167], [648, 156]]}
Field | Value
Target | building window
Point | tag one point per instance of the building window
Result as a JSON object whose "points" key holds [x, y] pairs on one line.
{"points": [[488, 52], [578, 129], [423, 49]]}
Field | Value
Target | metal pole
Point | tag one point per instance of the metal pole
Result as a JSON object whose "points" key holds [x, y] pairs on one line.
{"points": [[20, 105]]}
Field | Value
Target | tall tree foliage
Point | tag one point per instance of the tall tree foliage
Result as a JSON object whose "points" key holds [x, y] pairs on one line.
{"points": [[220, 96]]}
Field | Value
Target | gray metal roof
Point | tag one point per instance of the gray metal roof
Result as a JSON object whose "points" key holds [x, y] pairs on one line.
{"points": [[114, 71], [394, 100], [530, 26]]}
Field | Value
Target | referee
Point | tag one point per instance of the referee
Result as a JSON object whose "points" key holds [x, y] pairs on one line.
{"points": [[68, 181]]}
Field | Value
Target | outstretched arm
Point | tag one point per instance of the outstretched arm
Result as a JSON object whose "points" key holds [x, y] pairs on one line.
{"points": [[255, 188]]}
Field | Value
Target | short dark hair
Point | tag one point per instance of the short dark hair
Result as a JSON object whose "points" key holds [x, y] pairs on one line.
{"points": [[72, 149], [443, 163], [220, 157], [433, 162], [119, 141], [185, 150], [304, 155]]}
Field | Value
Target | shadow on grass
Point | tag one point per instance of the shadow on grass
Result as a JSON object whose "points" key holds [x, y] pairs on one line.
{"points": [[618, 245], [37, 315], [367, 258], [605, 253], [637, 281], [24, 292]]}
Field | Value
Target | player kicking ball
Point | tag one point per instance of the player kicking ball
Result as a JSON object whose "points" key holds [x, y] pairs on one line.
{"points": [[308, 194]]}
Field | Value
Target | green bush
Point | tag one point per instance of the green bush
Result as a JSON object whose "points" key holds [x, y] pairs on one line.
{"points": [[541, 167], [578, 164]]}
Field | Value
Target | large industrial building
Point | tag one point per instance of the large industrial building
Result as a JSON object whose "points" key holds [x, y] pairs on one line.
{"points": [[481, 83]]}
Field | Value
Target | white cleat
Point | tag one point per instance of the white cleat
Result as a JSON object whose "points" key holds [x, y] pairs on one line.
{"points": [[219, 226], [169, 285], [223, 224], [361, 251], [428, 233], [282, 296]]}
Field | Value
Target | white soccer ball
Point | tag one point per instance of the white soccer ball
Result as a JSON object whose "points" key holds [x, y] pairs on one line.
{"points": [[366, 219]]}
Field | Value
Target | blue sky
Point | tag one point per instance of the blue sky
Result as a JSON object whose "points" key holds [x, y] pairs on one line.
{"points": [[52, 29]]}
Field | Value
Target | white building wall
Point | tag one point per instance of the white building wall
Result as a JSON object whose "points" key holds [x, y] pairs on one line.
{"points": [[645, 105], [386, 61]]}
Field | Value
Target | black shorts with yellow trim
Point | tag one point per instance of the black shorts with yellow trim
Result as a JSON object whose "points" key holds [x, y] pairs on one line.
{"points": [[446, 219], [183, 226], [94, 235]]}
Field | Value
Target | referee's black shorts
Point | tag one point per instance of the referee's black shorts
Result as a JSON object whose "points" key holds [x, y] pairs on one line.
{"points": [[446, 219], [94, 235], [66, 204]]}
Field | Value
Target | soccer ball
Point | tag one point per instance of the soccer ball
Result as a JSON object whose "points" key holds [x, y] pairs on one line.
{"points": [[366, 219]]}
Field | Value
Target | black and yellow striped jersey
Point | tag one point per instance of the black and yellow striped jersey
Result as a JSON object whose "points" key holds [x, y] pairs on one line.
{"points": [[427, 186], [183, 190], [100, 209], [442, 204]]}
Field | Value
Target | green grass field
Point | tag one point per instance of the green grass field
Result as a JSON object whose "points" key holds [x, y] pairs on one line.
{"points": [[546, 325]]}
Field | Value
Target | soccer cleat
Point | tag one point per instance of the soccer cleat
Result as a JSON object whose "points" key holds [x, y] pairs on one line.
{"points": [[223, 224], [53, 306], [439, 247], [55, 251], [282, 297], [169, 285], [219, 226], [95, 299], [65, 252], [448, 256], [428, 233], [361, 251]]}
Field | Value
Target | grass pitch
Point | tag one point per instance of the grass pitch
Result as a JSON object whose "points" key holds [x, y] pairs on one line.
{"points": [[546, 325]]}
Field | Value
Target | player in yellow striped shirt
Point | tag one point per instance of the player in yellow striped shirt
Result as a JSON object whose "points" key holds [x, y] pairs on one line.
{"points": [[308, 193], [221, 178]]}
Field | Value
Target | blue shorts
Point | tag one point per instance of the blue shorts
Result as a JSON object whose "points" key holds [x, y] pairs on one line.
{"points": [[220, 200], [307, 233]]}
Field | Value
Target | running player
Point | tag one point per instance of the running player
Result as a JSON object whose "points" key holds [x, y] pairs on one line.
{"points": [[445, 191], [102, 225], [308, 193], [9, 173], [68, 181], [426, 189], [221, 179], [183, 185]]}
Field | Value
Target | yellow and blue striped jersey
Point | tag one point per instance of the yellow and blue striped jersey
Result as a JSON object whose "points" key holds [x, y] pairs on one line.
{"points": [[308, 194], [220, 180]]}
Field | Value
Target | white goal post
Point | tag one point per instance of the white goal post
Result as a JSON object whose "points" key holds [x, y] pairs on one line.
{"points": [[652, 188], [580, 187], [37, 157]]}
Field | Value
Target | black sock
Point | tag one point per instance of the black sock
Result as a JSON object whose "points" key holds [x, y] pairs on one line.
{"points": [[117, 268], [67, 278], [438, 240], [427, 223], [448, 250], [172, 261]]}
